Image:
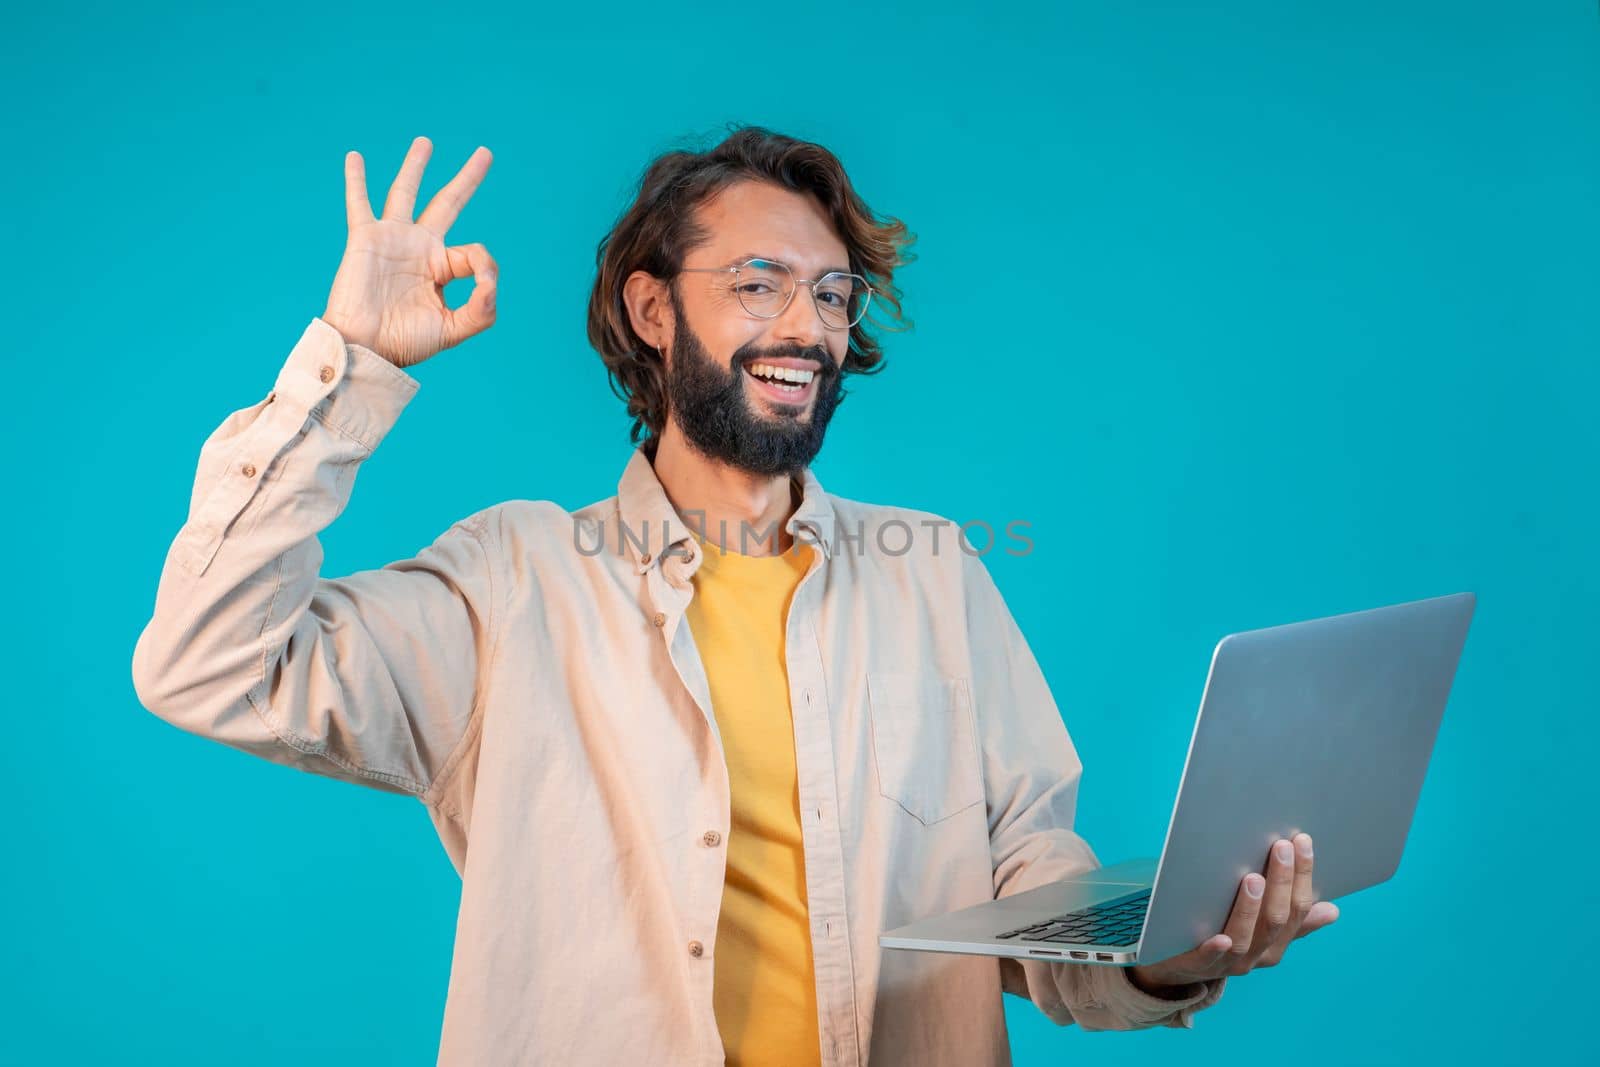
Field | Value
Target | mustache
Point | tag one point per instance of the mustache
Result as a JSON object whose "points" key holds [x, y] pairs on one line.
{"points": [[826, 368]]}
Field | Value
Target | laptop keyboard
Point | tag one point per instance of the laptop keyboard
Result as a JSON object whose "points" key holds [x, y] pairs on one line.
{"points": [[1116, 922]]}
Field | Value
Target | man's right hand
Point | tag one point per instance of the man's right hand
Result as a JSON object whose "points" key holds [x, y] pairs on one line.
{"points": [[388, 294]]}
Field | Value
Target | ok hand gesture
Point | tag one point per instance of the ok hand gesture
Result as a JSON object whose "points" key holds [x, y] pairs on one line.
{"points": [[388, 294]]}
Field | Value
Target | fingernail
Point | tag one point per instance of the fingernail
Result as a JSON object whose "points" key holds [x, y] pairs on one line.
{"points": [[1283, 851], [1253, 885], [1305, 847]]}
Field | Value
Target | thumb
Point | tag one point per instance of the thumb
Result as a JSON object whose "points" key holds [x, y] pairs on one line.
{"points": [[478, 313]]}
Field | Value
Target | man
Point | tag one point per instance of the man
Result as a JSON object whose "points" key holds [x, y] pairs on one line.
{"points": [[706, 738]]}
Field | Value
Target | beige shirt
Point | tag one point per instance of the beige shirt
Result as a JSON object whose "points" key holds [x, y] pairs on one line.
{"points": [[530, 678]]}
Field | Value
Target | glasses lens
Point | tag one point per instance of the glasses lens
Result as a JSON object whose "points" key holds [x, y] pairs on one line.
{"points": [[764, 287], [842, 299]]}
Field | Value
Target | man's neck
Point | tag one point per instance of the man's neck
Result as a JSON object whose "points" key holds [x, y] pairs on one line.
{"points": [[728, 507]]}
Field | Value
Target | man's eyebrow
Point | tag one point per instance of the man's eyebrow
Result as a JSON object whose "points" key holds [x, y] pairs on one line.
{"points": [[746, 257]]}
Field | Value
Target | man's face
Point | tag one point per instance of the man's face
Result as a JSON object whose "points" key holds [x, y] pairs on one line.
{"points": [[724, 407]]}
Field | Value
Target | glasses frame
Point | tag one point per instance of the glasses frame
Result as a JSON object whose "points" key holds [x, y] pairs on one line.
{"points": [[798, 282]]}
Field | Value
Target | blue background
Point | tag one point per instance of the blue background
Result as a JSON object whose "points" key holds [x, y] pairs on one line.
{"points": [[1256, 311]]}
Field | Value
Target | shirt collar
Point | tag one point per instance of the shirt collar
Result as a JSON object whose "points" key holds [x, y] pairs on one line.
{"points": [[651, 528]]}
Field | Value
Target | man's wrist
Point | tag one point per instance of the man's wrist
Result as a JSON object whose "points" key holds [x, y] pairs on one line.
{"points": [[1158, 990]]}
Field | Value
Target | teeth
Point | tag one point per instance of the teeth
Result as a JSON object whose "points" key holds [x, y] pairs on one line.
{"points": [[782, 374]]}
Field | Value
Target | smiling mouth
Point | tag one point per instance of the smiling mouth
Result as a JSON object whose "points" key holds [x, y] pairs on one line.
{"points": [[787, 385]]}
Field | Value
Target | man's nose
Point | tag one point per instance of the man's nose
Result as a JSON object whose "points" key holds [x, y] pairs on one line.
{"points": [[800, 324]]}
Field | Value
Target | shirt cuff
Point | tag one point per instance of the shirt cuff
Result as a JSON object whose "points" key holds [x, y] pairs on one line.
{"points": [[1114, 989], [347, 387]]}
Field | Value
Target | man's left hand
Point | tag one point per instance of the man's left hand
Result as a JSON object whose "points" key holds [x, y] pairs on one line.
{"points": [[1268, 913]]}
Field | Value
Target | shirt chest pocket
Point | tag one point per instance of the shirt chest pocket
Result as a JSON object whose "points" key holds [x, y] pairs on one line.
{"points": [[925, 743]]}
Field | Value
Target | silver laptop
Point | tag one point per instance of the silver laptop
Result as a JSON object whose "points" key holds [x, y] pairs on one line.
{"points": [[1323, 726]]}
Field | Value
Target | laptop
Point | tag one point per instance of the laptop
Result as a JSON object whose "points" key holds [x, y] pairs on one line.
{"points": [[1323, 726]]}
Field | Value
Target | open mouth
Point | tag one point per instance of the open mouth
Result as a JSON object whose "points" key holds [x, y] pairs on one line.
{"points": [[784, 385]]}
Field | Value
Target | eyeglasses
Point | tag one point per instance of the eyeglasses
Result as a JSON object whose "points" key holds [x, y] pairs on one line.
{"points": [[765, 287]]}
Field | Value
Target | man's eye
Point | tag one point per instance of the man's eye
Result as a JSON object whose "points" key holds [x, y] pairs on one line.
{"points": [[837, 298], [755, 288]]}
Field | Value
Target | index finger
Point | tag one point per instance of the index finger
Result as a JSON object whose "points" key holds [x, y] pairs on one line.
{"points": [[1241, 924], [446, 205], [357, 210]]}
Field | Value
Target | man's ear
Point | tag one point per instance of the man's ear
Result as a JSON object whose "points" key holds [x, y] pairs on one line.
{"points": [[649, 308]]}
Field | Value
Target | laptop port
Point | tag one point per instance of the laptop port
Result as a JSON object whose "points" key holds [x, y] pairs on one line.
{"points": [[1103, 957], [1043, 952], [1079, 955]]}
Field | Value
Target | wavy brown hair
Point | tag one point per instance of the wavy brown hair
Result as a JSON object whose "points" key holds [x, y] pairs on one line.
{"points": [[661, 227]]}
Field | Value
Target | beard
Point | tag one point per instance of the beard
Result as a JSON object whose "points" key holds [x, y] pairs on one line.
{"points": [[722, 421]]}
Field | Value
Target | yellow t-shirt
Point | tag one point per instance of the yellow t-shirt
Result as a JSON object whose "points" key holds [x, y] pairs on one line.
{"points": [[763, 986]]}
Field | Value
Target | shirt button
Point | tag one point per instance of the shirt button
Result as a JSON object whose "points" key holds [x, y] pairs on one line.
{"points": [[646, 559], [248, 470], [660, 619], [326, 374], [696, 949], [711, 838]]}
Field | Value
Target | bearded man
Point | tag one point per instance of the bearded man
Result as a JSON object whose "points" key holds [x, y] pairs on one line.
{"points": [[707, 737]]}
